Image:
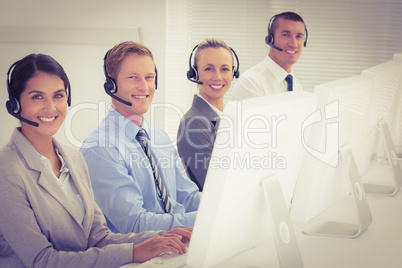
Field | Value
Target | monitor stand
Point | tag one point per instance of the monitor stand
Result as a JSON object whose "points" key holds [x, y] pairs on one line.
{"points": [[287, 248], [359, 202], [392, 162]]}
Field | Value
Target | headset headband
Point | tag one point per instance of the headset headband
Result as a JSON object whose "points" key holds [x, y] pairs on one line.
{"points": [[192, 73]]}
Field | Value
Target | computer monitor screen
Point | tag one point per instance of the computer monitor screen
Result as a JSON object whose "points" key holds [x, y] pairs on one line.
{"points": [[385, 105], [364, 102], [257, 137], [398, 121], [344, 105]]}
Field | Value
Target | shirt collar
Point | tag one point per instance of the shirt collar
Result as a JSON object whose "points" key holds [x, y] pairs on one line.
{"points": [[63, 163], [126, 126], [278, 72], [216, 110], [46, 161]]}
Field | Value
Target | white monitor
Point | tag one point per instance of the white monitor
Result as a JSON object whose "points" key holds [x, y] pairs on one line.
{"points": [[386, 103], [383, 134], [336, 135], [397, 57], [258, 139]]}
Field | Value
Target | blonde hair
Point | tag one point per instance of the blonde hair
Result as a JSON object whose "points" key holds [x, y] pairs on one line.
{"points": [[119, 52], [210, 42]]}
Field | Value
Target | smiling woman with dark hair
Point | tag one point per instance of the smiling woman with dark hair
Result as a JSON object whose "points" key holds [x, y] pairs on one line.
{"points": [[49, 217]]}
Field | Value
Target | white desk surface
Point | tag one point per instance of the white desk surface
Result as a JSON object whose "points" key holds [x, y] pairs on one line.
{"points": [[379, 246]]}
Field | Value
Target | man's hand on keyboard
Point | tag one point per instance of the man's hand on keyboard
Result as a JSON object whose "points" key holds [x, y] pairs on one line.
{"points": [[171, 241], [184, 233]]}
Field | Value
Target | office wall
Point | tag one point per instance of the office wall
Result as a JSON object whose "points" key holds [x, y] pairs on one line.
{"points": [[146, 19], [78, 34]]}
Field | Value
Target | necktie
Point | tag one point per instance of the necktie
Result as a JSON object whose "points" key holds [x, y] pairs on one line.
{"points": [[289, 79], [142, 138]]}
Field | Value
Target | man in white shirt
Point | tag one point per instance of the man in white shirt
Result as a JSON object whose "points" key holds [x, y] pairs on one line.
{"points": [[287, 35]]}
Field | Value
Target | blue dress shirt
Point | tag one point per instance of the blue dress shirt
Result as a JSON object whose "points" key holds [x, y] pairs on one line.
{"points": [[123, 181]]}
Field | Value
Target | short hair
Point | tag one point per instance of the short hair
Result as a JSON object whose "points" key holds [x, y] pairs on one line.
{"points": [[210, 42], [119, 52], [288, 15], [29, 66]]}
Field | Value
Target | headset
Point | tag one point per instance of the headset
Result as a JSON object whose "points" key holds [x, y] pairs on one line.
{"points": [[192, 73], [13, 105], [110, 84], [269, 39]]}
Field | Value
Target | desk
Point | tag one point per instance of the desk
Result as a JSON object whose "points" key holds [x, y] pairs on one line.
{"points": [[379, 246]]}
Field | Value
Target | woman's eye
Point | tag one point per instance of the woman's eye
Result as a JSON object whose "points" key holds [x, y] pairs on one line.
{"points": [[36, 97]]}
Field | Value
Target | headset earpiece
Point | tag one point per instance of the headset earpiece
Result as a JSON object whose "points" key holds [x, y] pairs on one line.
{"points": [[269, 39], [305, 40], [236, 72], [192, 73], [13, 105], [156, 78], [68, 96], [109, 85]]}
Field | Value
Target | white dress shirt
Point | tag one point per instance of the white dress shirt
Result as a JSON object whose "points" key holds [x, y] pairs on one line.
{"points": [[265, 78]]}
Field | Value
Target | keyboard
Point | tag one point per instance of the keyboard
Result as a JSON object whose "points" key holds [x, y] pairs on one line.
{"points": [[170, 260]]}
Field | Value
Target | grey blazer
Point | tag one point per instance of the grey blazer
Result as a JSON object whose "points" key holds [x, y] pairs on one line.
{"points": [[39, 226], [196, 138]]}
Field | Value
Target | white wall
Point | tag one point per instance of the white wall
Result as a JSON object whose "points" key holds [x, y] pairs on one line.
{"points": [[59, 28]]}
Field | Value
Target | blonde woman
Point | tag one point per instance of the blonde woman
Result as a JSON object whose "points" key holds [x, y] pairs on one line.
{"points": [[213, 71]]}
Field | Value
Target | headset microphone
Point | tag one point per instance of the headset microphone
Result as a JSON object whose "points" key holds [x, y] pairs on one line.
{"points": [[278, 48], [27, 121], [189, 77], [197, 82], [117, 98], [11, 111], [13, 106]]}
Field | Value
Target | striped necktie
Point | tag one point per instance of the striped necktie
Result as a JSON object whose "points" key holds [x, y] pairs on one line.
{"points": [[289, 80], [161, 190]]}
